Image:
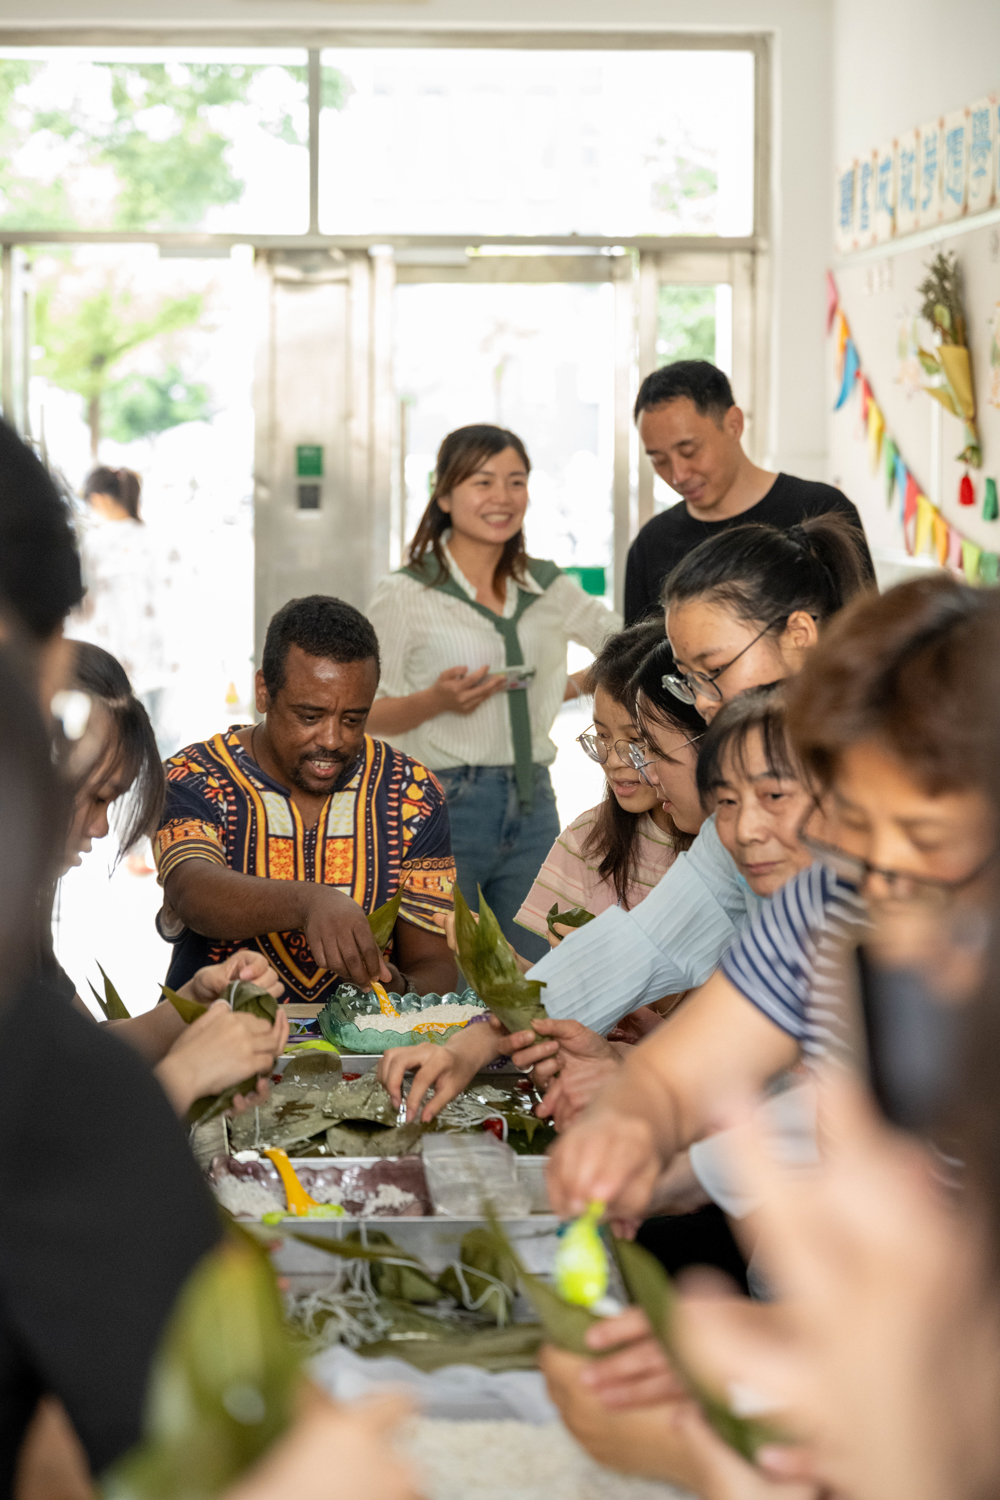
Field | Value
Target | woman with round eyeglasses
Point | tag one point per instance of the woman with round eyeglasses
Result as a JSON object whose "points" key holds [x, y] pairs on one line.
{"points": [[615, 853], [745, 608], [891, 724]]}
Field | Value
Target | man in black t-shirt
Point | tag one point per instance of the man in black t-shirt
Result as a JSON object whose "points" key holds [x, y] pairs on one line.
{"points": [[691, 428]]}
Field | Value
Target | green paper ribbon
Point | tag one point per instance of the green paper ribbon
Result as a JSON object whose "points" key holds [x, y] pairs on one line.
{"points": [[989, 567], [890, 455], [990, 508]]}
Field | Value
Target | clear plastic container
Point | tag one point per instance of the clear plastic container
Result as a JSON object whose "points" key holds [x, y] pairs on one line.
{"points": [[469, 1174]]}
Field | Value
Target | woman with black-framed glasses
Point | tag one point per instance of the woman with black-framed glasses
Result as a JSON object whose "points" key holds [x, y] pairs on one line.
{"points": [[745, 608]]}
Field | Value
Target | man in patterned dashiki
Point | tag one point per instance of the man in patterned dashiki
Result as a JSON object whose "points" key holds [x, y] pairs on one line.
{"points": [[282, 835]]}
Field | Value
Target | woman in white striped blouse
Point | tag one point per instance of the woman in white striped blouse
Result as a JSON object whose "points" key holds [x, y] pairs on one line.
{"points": [[454, 625]]}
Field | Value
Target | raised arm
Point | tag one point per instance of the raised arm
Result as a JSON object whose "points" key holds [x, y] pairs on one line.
{"points": [[218, 902], [672, 941], [667, 1094]]}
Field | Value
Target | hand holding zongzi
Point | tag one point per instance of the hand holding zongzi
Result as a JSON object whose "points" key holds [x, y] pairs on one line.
{"points": [[218, 1050]]}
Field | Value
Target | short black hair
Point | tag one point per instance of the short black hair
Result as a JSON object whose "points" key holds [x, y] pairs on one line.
{"points": [[40, 578], [760, 708], [320, 626], [697, 379]]}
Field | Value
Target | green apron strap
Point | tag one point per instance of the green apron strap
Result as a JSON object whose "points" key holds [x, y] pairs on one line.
{"points": [[544, 573]]}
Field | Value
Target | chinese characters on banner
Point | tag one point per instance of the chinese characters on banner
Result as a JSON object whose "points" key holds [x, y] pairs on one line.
{"points": [[936, 174]]}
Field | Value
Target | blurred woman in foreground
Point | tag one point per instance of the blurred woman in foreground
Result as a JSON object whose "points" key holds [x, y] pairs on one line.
{"points": [[89, 1138], [895, 717]]}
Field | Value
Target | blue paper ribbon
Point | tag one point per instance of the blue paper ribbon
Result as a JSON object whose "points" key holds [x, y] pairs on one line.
{"points": [[851, 367]]}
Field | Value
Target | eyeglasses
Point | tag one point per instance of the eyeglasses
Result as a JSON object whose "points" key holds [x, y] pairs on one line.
{"points": [[688, 686], [636, 753], [598, 749], [901, 885]]}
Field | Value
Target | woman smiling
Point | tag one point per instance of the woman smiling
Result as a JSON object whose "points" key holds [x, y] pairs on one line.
{"points": [[473, 634]]}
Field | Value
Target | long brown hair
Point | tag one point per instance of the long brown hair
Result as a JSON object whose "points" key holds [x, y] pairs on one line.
{"points": [[614, 838], [462, 453]]}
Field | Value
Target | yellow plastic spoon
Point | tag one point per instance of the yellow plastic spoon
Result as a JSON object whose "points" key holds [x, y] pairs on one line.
{"points": [[299, 1201], [581, 1262]]}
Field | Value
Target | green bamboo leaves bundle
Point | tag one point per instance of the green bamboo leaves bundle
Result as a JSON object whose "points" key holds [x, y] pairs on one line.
{"points": [[242, 995], [649, 1287], [488, 962], [223, 1385], [573, 916], [383, 919], [949, 361], [111, 1003]]}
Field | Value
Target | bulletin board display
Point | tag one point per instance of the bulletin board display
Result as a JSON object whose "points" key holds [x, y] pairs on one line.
{"points": [[881, 303]]}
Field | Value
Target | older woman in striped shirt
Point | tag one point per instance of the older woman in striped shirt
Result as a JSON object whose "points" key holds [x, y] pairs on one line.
{"points": [[473, 635]]}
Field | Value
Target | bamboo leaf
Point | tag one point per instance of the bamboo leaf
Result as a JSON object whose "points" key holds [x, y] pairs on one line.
{"points": [[383, 919], [188, 1010], [942, 394], [565, 1325], [487, 961], [223, 1386], [573, 916], [242, 995], [112, 1005], [648, 1285]]}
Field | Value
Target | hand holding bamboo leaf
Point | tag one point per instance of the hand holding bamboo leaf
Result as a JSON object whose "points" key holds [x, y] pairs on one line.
{"points": [[490, 965]]}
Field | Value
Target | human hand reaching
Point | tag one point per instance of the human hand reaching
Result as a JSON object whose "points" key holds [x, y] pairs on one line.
{"points": [[459, 691]]}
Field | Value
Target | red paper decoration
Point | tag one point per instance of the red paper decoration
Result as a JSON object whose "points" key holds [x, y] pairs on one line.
{"points": [[966, 494]]}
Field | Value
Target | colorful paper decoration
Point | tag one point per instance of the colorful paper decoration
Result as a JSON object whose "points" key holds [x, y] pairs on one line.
{"points": [[939, 532], [843, 334], [890, 454], [876, 429], [970, 561], [851, 366], [832, 301], [925, 525]]}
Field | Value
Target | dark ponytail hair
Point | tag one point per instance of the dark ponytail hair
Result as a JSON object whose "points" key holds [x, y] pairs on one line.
{"points": [[764, 575], [132, 754], [123, 485], [652, 705], [462, 453]]}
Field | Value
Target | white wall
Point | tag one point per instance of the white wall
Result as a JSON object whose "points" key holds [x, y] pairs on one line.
{"points": [[898, 64], [894, 68], [796, 429]]}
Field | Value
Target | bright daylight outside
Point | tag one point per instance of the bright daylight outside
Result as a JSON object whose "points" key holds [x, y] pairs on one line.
{"points": [[141, 356]]}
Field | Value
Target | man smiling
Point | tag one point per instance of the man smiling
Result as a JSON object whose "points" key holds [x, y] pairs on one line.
{"points": [[691, 429], [283, 834]]}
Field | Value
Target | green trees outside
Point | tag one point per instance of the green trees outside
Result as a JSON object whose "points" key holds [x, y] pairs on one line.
{"points": [[85, 334], [157, 147]]}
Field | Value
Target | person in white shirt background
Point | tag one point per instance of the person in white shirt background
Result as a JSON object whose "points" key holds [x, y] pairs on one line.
{"points": [[119, 609], [469, 606]]}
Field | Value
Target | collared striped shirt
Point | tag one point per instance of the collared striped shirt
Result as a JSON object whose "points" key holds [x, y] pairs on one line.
{"points": [[422, 632]]}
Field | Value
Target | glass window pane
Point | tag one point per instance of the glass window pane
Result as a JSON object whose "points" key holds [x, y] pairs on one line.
{"points": [[692, 322], [156, 138], [538, 359], [497, 142]]}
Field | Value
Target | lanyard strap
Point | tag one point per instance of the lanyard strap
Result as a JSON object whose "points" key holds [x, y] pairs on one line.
{"points": [[517, 698]]}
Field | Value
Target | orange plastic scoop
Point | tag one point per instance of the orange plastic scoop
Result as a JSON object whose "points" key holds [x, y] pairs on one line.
{"points": [[299, 1201]]}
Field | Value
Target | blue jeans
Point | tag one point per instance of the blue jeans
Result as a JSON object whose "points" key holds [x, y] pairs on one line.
{"points": [[498, 847]]}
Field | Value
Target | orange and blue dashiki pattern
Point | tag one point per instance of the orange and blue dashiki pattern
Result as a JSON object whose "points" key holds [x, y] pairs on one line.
{"points": [[388, 824]]}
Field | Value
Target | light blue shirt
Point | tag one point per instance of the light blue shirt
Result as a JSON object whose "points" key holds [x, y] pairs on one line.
{"points": [[671, 941]]}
